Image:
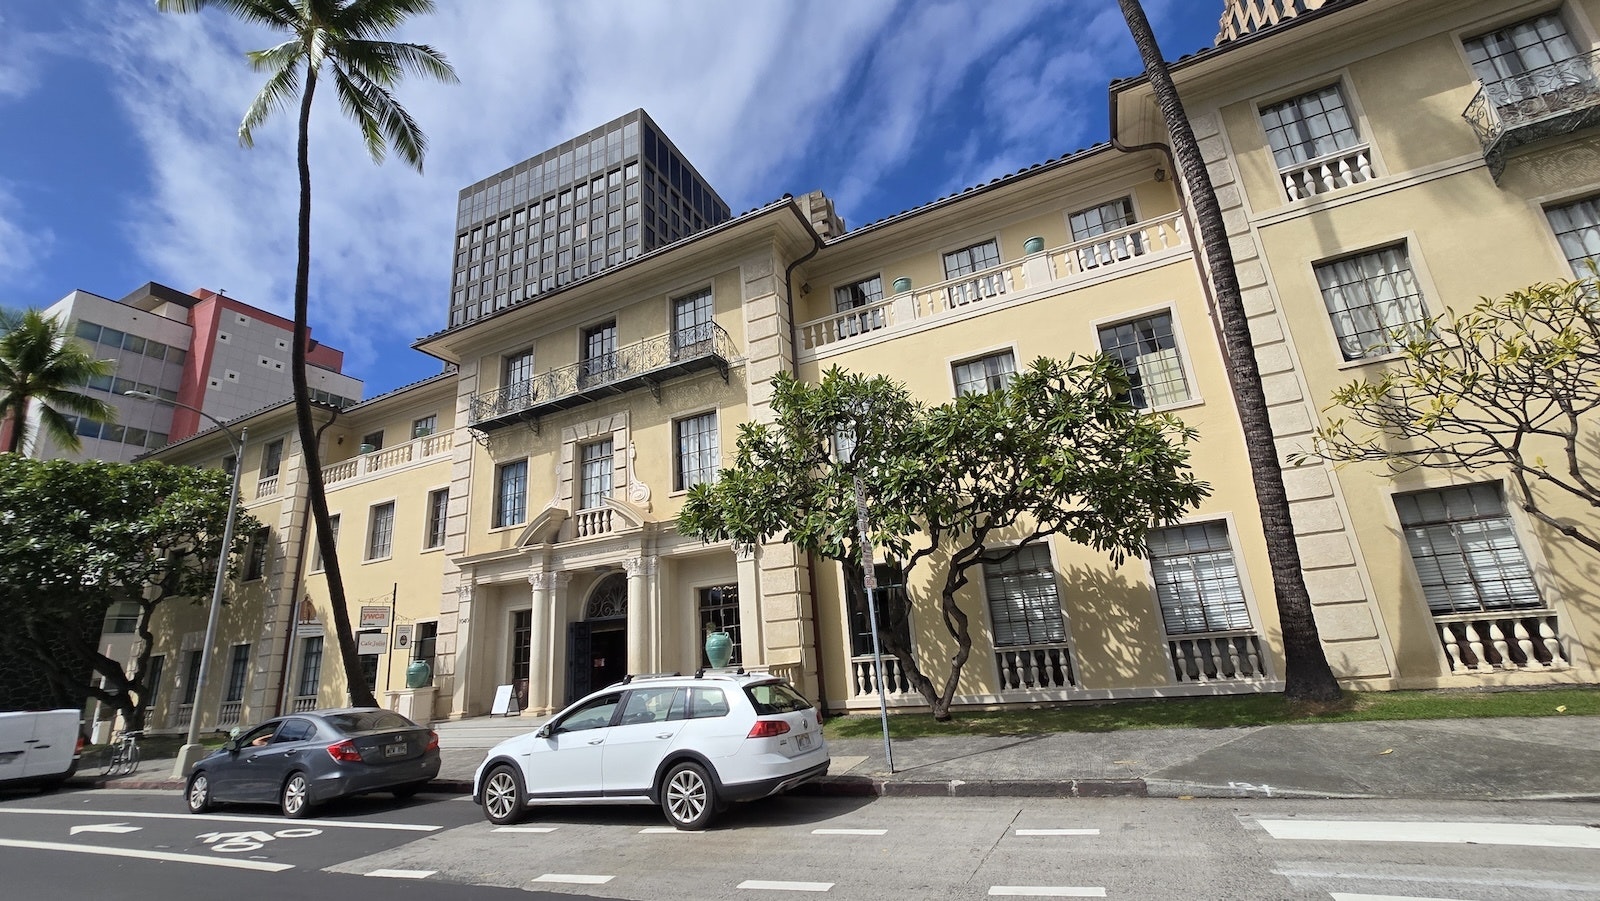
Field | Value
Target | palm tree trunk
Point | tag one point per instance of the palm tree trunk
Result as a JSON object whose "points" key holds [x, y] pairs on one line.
{"points": [[1307, 675], [360, 693]]}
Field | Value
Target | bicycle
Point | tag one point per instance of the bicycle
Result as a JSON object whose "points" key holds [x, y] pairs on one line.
{"points": [[124, 759]]}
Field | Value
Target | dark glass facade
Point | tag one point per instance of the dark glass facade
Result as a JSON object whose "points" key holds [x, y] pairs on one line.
{"points": [[600, 199]]}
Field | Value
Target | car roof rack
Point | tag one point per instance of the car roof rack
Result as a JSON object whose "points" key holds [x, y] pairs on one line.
{"points": [[632, 676]]}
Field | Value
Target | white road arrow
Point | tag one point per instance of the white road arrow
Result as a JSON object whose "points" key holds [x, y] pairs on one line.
{"points": [[116, 828]]}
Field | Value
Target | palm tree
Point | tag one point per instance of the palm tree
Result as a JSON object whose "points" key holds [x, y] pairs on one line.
{"points": [[339, 38], [38, 363], [1307, 675]]}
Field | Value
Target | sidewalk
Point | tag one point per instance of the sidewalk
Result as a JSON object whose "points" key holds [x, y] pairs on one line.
{"points": [[1547, 758]]}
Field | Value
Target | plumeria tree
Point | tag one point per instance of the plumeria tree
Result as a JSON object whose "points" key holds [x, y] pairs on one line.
{"points": [[948, 488], [1510, 386]]}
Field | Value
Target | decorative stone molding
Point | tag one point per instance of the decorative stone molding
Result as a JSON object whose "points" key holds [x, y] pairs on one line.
{"points": [[548, 581], [638, 492], [464, 592], [640, 566]]}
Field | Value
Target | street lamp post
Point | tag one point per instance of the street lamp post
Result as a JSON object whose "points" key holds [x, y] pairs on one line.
{"points": [[192, 750], [846, 454]]}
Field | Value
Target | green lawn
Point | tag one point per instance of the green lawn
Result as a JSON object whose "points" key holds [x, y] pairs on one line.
{"points": [[1239, 710]]}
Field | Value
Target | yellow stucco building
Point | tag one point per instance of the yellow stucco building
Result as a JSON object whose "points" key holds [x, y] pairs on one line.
{"points": [[1376, 161]]}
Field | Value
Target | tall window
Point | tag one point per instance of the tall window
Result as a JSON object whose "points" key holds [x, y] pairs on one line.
{"points": [[975, 258], [333, 529], [1308, 127], [719, 612], [594, 474], [423, 647], [438, 506], [1516, 50], [1373, 300], [510, 493], [380, 531], [255, 565], [985, 374], [310, 666], [599, 359], [1466, 551], [372, 441], [692, 323], [516, 377], [1577, 227], [1148, 352], [1107, 217], [1197, 583], [695, 440], [152, 681], [893, 607], [858, 294], [238, 671], [1023, 606], [271, 459], [369, 664], [192, 678], [425, 425]]}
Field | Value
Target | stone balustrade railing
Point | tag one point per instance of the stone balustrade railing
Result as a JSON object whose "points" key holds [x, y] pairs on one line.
{"points": [[1327, 174], [864, 680], [267, 487], [1217, 656], [1051, 269], [415, 450], [1497, 642], [1042, 666]]}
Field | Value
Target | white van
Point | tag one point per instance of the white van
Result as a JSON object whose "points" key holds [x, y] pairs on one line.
{"points": [[39, 746]]}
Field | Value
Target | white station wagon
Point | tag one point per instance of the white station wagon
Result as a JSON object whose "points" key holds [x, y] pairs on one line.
{"points": [[692, 744]]}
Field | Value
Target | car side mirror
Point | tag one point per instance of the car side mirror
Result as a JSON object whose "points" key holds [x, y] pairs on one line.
{"points": [[544, 731], [231, 746]]}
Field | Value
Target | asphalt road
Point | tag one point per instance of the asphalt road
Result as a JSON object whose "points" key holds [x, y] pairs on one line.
{"points": [[903, 848]]}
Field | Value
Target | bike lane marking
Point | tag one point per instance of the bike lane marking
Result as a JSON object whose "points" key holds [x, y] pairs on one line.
{"points": [[167, 856], [118, 814]]}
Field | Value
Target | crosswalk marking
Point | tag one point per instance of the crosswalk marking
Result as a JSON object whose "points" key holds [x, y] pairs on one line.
{"points": [[849, 832], [1530, 834], [1058, 832], [402, 874], [779, 886], [140, 854], [195, 817], [1047, 891], [539, 829], [574, 879]]}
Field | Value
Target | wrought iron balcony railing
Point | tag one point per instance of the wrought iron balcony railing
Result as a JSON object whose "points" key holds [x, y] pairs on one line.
{"points": [[1551, 100], [647, 363]]}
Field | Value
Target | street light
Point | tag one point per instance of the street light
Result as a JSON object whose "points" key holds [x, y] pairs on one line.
{"points": [[192, 750], [869, 577]]}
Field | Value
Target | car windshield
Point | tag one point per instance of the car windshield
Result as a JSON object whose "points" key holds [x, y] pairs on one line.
{"points": [[775, 697], [368, 721]]}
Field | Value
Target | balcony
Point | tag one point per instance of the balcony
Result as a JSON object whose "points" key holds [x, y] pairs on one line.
{"points": [[1217, 657], [1528, 640], [415, 450], [646, 364], [1327, 174], [1545, 102], [1135, 246]]}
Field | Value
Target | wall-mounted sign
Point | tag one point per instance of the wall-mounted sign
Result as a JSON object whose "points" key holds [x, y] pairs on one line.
{"points": [[402, 636], [372, 643], [374, 617]]}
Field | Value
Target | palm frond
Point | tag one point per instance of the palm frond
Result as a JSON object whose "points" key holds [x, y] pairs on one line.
{"points": [[398, 129], [356, 101], [279, 92], [361, 19], [271, 13]]}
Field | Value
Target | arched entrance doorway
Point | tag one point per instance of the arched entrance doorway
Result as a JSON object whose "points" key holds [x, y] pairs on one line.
{"points": [[597, 645]]}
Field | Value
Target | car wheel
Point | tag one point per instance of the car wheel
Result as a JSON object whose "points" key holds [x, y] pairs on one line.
{"points": [[687, 796], [502, 796], [295, 801], [199, 793]]}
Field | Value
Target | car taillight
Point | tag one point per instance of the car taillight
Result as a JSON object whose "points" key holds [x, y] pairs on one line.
{"points": [[345, 752], [433, 741], [78, 751], [768, 729]]}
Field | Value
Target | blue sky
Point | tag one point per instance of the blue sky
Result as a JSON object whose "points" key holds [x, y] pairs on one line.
{"points": [[119, 162]]}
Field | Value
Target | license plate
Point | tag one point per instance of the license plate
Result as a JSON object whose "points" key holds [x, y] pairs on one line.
{"points": [[397, 750], [803, 741]]}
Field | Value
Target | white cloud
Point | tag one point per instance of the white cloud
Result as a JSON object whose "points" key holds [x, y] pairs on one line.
{"points": [[765, 98], [20, 248]]}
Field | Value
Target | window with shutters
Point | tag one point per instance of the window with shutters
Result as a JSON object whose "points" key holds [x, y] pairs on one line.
{"points": [[1197, 581], [1023, 606]]}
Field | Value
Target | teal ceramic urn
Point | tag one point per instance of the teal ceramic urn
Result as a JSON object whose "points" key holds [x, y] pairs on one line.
{"points": [[719, 649], [418, 674]]}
